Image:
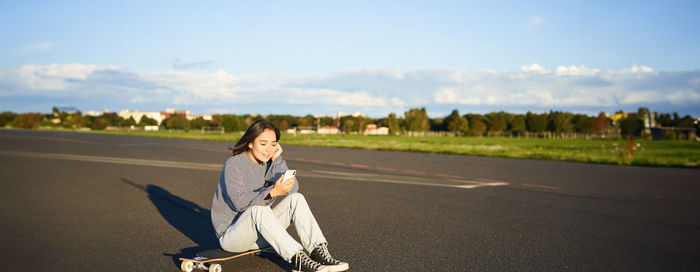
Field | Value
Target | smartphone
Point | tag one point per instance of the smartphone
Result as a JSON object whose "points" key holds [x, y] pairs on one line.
{"points": [[289, 174]]}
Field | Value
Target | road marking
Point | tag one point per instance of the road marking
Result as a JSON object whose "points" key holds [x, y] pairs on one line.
{"points": [[364, 166], [414, 172], [117, 160], [540, 186], [383, 178], [489, 180], [448, 176]]}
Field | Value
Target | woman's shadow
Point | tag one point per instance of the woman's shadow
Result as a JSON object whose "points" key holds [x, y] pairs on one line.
{"points": [[189, 218]]}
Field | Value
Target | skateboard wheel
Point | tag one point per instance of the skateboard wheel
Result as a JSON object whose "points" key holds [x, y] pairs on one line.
{"points": [[187, 266], [215, 268]]}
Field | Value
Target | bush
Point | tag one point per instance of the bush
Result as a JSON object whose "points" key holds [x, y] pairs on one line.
{"points": [[27, 120], [232, 123], [146, 121], [6, 118], [631, 125], [99, 123], [199, 123], [177, 122]]}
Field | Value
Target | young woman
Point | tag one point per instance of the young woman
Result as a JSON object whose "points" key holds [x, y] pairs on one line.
{"points": [[242, 212]]}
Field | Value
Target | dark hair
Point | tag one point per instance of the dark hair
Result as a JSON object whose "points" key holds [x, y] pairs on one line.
{"points": [[253, 132]]}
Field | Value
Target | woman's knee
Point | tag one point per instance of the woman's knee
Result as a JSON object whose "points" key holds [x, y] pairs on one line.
{"points": [[235, 244], [290, 201], [295, 196]]}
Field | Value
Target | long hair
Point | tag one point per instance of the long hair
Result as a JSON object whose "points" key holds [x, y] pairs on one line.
{"points": [[253, 132]]}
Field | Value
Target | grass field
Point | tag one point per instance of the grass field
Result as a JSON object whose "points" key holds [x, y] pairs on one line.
{"points": [[646, 153]]}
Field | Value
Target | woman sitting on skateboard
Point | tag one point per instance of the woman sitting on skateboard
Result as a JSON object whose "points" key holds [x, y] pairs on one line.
{"points": [[242, 211]]}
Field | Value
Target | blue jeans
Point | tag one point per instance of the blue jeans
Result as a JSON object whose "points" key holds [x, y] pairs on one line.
{"points": [[264, 226]]}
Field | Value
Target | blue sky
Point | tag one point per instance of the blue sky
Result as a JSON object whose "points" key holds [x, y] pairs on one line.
{"points": [[376, 57]]}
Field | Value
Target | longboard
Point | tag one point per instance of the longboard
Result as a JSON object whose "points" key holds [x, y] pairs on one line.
{"points": [[213, 256]]}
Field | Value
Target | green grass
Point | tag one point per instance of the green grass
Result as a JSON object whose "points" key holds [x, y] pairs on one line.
{"points": [[646, 153], [177, 134]]}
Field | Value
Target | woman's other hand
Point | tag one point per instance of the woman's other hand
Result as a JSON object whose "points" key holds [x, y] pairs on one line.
{"points": [[278, 152]]}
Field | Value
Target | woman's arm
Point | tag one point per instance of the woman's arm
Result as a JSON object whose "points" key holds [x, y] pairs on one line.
{"points": [[235, 180]]}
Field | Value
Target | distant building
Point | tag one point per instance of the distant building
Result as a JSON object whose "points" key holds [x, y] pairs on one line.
{"points": [[207, 116], [160, 116], [137, 115], [173, 111], [372, 129], [190, 116], [328, 130]]}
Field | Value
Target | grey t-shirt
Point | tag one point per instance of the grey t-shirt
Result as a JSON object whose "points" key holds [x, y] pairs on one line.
{"points": [[244, 183]]}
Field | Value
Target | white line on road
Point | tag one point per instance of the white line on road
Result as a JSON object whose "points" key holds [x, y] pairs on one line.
{"points": [[118, 160], [395, 179], [399, 179]]}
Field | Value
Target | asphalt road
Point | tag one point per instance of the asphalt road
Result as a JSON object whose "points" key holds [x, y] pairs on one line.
{"points": [[87, 202]]}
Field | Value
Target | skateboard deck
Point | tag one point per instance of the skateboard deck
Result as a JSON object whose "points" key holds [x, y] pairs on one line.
{"points": [[213, 256]]}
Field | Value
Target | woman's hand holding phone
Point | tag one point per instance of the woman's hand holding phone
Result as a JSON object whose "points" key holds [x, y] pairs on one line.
{"points": [[284, 184]]}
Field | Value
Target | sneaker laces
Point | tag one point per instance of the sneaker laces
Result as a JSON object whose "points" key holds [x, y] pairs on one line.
{"points": [[325, 255], [303, 260]]}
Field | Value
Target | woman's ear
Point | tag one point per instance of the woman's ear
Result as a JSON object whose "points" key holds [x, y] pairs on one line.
{"points": [[250, 145]]}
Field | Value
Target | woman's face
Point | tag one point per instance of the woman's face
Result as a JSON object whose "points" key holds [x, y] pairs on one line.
{"points": [[262, 148]]}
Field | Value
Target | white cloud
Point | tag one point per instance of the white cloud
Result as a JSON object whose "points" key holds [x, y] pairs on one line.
{"points": [[459, 76], [137, 100], [446, 95], [53, 76], [397, 102], [683, 97], [642, 97], [195, 87], [357, 99], [377, 91], [393, 73], [576, 71], [534, 97], [536, 68], [452, 95], [303, 96], [638, 69], [571, 87]]}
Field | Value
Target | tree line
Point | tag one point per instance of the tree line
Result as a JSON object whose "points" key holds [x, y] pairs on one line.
{"points": [[498, 123], [77, 120], [412, 122]]}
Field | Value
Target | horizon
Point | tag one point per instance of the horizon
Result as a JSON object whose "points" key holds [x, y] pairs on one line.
{"points": [[315, 57], [398, 114]]}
